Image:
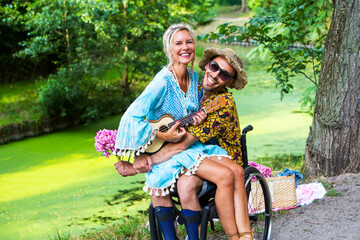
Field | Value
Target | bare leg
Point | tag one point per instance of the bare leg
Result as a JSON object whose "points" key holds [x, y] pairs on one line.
{"points": [[188, 187], [164, 201], [240, 198], [223, 177]]}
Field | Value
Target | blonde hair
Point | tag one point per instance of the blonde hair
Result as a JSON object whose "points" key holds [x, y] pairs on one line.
{"points": [[167, 40]]}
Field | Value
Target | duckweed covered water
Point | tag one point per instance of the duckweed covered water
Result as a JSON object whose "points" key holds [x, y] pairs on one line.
{"points": [[59, 183]]}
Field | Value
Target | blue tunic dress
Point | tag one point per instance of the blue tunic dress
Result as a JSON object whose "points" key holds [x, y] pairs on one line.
{"points": [[162, 96]]}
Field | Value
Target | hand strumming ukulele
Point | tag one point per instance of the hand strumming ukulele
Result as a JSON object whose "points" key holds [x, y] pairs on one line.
{"points": [[166, 122]]}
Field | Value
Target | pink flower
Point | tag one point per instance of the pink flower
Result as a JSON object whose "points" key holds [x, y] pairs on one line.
{"points": [[105, 142]]}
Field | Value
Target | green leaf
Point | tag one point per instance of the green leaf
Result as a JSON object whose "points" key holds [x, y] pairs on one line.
{"points": [[213, 36], [230, 39], [223, 30], [281, 95]]}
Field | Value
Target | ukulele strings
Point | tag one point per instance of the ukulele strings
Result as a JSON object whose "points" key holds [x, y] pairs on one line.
{"points": [[189, 118], [183, 122]]}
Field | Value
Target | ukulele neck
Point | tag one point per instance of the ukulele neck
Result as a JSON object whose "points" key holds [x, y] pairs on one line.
{"points": [[183, 121]]}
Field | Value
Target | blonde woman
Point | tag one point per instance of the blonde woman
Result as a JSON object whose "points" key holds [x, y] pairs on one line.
{"points": [[174, 91]]}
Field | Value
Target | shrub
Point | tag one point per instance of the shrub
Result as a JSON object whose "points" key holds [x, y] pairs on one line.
{"points": [[59, 97], [81, 94], [106, 100]]}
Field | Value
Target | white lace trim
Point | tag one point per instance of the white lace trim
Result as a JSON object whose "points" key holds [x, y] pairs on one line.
{"points": [[192, 170], [138, 151], [200, 157]]}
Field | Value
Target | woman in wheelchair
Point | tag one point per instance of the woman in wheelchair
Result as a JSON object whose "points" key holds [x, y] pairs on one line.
{"points": [[174, 91]]}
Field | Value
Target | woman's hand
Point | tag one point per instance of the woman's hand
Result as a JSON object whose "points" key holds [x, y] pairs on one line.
{"points": [[199, 118], [174, 134]]}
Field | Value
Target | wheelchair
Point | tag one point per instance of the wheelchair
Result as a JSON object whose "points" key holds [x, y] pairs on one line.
{"points": [[258, 195]]}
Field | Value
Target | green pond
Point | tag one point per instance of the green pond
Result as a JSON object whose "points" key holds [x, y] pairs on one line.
{"points": [[58, 183]]}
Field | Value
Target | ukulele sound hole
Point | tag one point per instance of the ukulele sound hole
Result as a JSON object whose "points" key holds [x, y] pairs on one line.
{"points": [[163, 129]]}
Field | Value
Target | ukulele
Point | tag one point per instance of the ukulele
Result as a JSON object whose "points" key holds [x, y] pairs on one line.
{"points": [[167, 121]]}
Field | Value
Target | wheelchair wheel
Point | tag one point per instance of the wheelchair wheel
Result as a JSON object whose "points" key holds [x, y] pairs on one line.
{"points": [[259, 203]]}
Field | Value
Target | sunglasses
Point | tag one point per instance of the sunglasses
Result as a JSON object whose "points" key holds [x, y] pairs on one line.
{"points": [[224, 75]]}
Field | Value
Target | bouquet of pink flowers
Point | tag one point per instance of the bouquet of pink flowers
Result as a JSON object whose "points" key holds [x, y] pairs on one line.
{"points": [[265, 171], [105, 142]]}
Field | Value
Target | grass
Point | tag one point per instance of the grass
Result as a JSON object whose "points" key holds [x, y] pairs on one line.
{"points": [[18, 103], [129, 227], [134, 228], [330, 188], [280, 162], [333, 192], [225, 14]]}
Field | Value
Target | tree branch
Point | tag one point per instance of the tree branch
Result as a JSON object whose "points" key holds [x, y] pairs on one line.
{"points": [[308, 78], [306, 48]]}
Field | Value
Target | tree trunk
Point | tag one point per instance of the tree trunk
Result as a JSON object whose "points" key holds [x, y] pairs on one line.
{"points": [[333, 145], [67, 35], [126, 78], [243, 6], [126, 74]]}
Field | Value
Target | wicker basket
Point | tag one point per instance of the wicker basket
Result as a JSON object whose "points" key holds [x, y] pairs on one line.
{"points": [[282, 191]]}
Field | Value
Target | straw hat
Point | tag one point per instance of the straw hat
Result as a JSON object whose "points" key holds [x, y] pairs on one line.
{"points": [[234, 60]]}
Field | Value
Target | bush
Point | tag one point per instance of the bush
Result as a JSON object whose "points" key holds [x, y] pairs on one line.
{"points": [[228, 2], [267, 7], [107, 100], [59, 97], [79, 94]]}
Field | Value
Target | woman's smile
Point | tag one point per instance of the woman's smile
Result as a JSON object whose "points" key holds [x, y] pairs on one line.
{"points": [[183, 47]]}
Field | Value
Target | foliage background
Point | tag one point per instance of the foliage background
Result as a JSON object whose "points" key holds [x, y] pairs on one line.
{"points": [[290, 34], [76, 43]]}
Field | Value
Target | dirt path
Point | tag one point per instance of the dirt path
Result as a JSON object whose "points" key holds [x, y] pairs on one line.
{"points": [[231, 18], [335, 217]]}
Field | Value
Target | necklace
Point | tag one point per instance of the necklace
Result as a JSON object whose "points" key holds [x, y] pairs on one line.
{"points": [[178, 93], [186, 79]]}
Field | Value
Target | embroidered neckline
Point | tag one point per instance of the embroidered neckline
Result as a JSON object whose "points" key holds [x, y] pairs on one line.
{"points": [[180, 96]]}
